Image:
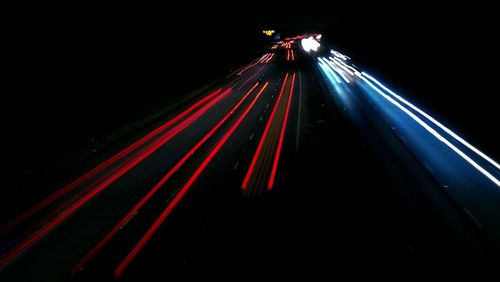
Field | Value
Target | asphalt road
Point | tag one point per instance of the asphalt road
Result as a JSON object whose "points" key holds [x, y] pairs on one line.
{"points": [[212, 138], [273, 171]]}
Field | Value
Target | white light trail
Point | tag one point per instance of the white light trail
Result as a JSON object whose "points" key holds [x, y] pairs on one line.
{"points": [[342, 66], [325, 67], [334, 67], [432, 131], [440, 125], [346, 65], [339, 55]]}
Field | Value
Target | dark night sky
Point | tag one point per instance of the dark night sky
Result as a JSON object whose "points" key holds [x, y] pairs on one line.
{"points": [[74, 72]]}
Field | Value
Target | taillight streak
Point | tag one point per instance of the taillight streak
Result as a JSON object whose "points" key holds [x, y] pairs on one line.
{"points": [[264, 134], [253, 76], [167, 176], [68, 188], [172, 204], [65, 214], [281, 138]]}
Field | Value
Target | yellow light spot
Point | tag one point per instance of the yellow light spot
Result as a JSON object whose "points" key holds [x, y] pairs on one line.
{"points": [[268, 32]]}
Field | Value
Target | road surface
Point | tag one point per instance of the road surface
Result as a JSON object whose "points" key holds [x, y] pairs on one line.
{"points": [[280, 167]]}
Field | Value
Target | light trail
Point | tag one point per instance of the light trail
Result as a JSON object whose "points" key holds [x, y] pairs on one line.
{"points": [[433, 132], [281, 138], [250, 78], [90, 254], [263, 138], [327, 68], [335, 68], [26, 244], [440, 125], [98, 169], [178, 197], [341, 66]]}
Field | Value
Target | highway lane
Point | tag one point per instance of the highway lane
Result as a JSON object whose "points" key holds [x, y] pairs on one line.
{"points": [[214, 190], [467, 176], [133, 172], [263, 162], [101, 176], [184, 204]]}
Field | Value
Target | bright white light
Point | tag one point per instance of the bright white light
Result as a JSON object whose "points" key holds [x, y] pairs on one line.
{"points": [[440, 125], [318, 37], [431, 130], [310, 44]]}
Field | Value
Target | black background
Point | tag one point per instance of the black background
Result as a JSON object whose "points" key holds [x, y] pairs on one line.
{"points": [[75, 72]]}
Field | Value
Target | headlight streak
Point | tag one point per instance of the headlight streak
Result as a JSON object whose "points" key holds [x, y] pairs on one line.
{"points": [[339, 55], [346, 65], [335, 68], [432, 131], [440, 125], [341, 66], [326, 68]]}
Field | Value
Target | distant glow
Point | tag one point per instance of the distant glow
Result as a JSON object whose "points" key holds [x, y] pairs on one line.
{"points": [[310, 44], [432, 131], [318, 37], [268, 32], [444, 128]]}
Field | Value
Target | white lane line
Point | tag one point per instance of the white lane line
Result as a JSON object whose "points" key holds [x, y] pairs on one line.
{"points": [[236, 165], [251, 136]]}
